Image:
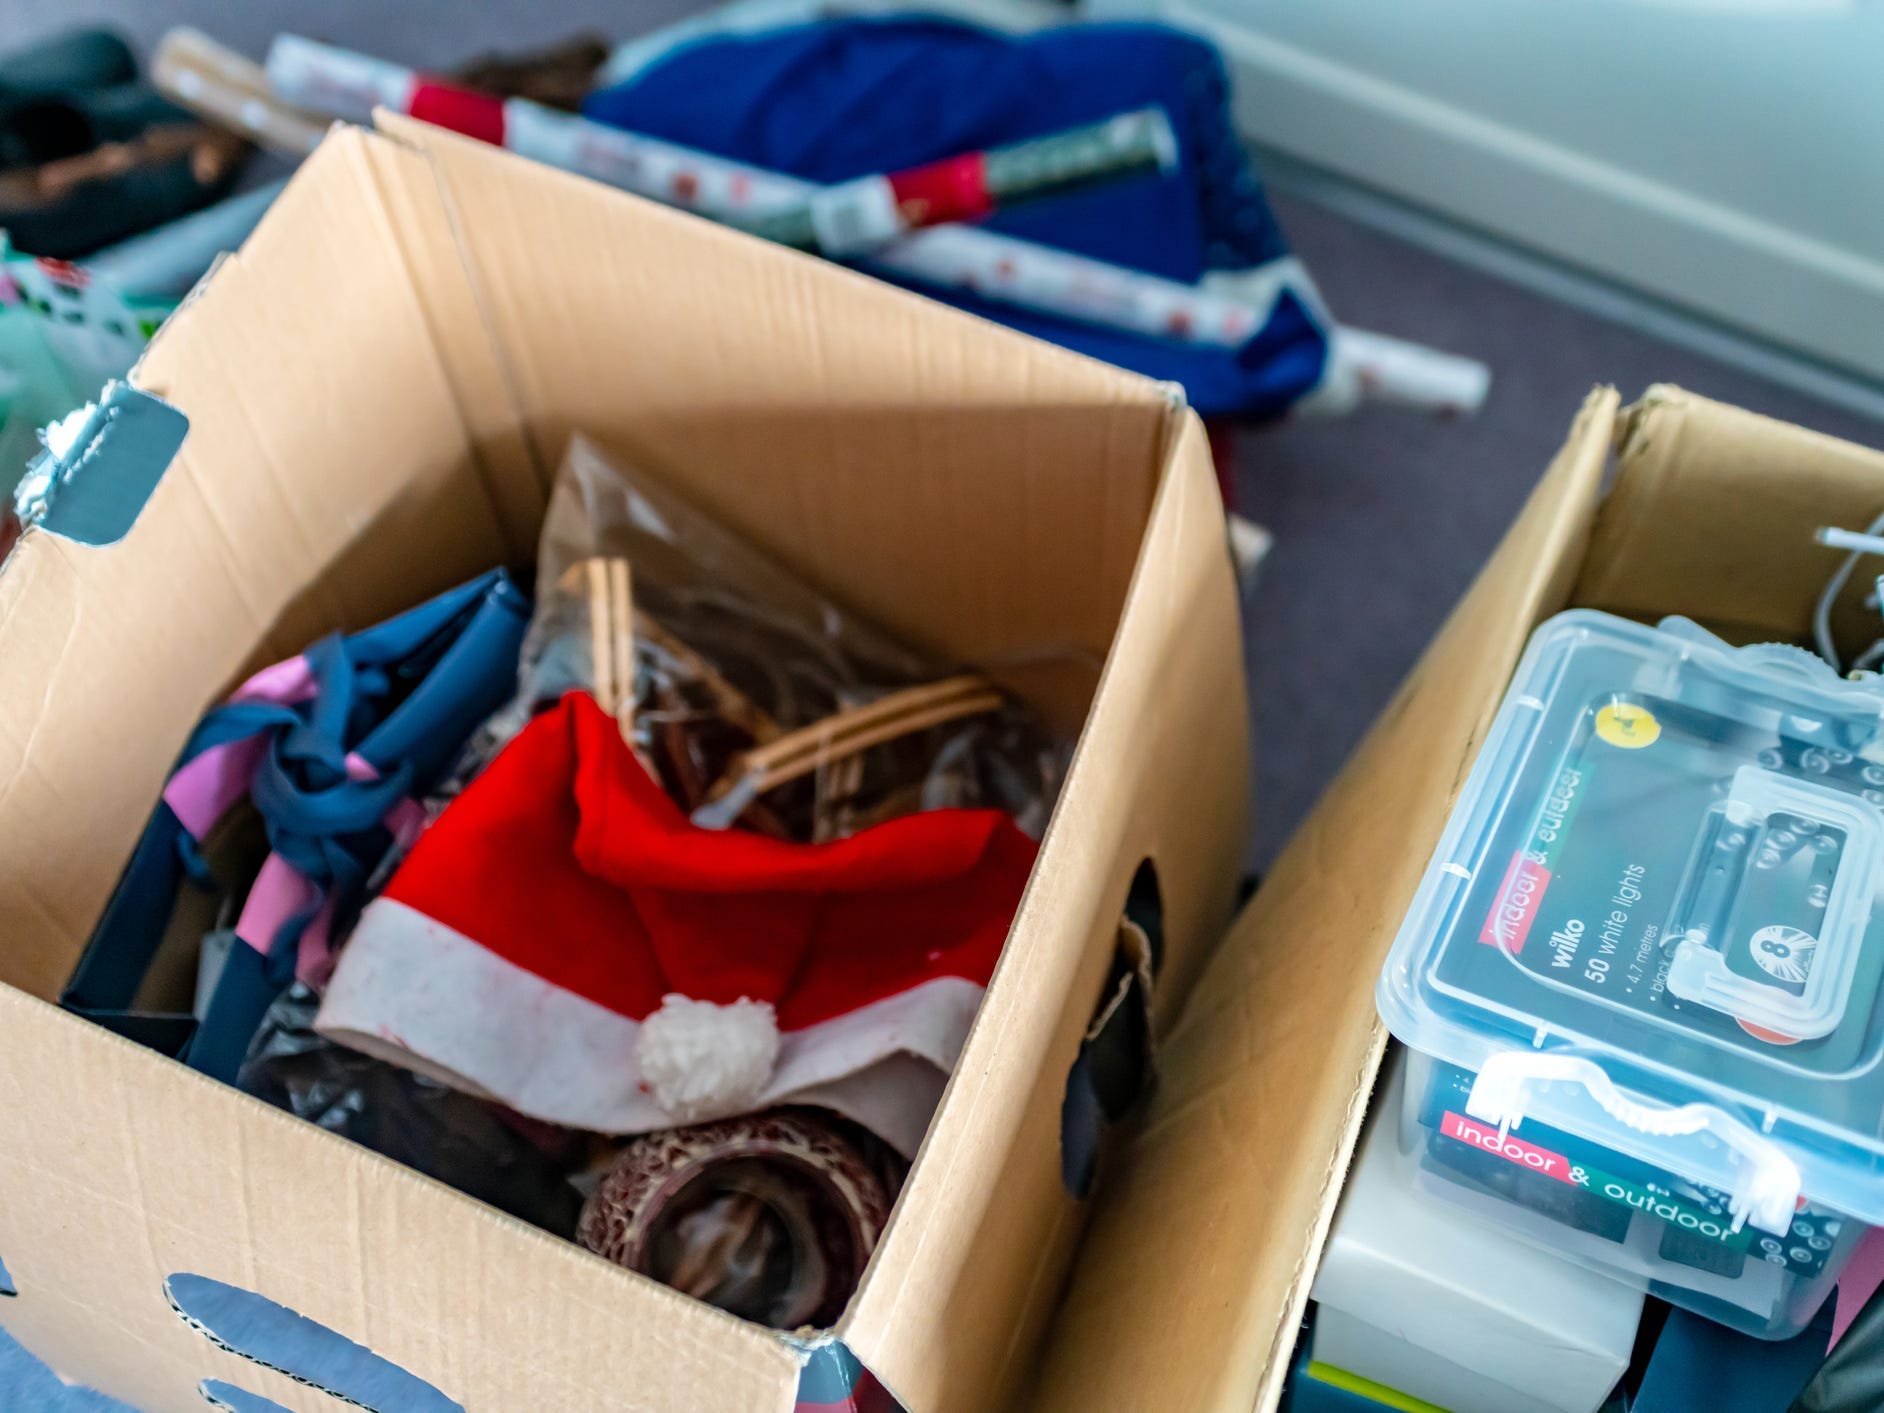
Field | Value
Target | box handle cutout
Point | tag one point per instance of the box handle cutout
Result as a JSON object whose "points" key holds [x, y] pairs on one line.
{"points": [[277, 1338], [1144, 905], [7, 1288], [236, 1400], [1115, 1061]]}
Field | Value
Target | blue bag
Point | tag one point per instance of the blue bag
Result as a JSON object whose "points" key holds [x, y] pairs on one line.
{"points": [[837, 99]]}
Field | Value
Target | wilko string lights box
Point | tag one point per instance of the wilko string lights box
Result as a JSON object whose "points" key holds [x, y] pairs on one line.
{"points": [[1642, 973]]}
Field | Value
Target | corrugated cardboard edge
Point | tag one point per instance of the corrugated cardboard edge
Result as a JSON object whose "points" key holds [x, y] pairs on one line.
{"points": [[1163, 772], [1188, 1291], [516, 473]]}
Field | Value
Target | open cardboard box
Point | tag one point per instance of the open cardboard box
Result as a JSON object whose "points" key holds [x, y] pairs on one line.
{"points": [[1195, 1273], [380, 385]]}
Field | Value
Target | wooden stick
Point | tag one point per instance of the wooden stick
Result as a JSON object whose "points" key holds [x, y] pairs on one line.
{"points": [[608, 586], [820, 735], [848, 733], [733, 704], [835, 796], [613, 591]]}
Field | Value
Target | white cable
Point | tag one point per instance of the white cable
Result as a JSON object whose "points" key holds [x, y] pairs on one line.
{"points": [[1849, 540], [1859, 545]]}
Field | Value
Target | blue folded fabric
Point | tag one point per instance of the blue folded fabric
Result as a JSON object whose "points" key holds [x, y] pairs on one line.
{"points": [[837, 99], [399, 700]]}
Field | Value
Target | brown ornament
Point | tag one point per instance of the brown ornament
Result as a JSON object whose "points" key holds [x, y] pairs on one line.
{"points": [[771, 1217]]}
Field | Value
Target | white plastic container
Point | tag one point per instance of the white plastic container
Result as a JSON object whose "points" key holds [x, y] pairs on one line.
{"points": [[1642, 973], [1421, 1298]]}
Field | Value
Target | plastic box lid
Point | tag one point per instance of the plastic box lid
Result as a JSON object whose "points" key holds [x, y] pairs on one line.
{"points": [[1656, 915]]}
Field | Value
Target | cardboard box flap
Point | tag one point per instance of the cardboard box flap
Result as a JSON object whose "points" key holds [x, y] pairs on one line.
{"points": [[216, 572], [336, 1233], [1188, 1290], [1161, 774], [793, 435], [1699, 525]]}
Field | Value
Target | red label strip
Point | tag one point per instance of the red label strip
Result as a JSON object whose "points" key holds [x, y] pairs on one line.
{"points": [[1519, 897]]}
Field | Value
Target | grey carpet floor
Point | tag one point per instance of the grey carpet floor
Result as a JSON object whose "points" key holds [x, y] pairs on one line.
{"points": [[1381, 519]]}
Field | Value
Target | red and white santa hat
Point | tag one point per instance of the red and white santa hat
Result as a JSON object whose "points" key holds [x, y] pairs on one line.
{"points": [[565, 941]]}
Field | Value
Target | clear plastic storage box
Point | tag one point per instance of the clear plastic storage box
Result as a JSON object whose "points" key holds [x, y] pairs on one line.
{"points": [[1641, 977]]}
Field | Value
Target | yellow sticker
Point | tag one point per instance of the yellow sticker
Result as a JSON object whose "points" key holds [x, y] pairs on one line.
{"points": [[1627, 725]]}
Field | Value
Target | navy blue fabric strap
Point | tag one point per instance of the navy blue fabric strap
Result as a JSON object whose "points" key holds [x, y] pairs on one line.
{"points": [[461, 683], [127, 937], [1701, 1367], [244, 992]]}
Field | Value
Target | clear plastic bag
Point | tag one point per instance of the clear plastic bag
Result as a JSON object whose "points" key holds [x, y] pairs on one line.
{"points": [[755, 699]]}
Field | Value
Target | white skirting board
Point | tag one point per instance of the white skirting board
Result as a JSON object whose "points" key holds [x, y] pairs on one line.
{"points": [[1720, 158]]}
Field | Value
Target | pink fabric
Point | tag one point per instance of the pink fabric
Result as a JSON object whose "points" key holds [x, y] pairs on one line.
{"points": [[284, 684], [314, 959], [406, 820], [278, 893], [1859, 1281], [201, 792]]}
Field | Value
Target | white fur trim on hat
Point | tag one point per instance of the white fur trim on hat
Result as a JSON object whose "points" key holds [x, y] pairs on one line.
{"points": [[488, 1027], [707, 1061]]}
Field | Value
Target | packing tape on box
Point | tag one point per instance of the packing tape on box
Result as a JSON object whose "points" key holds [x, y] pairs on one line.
{"points": [[100, 466]]}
